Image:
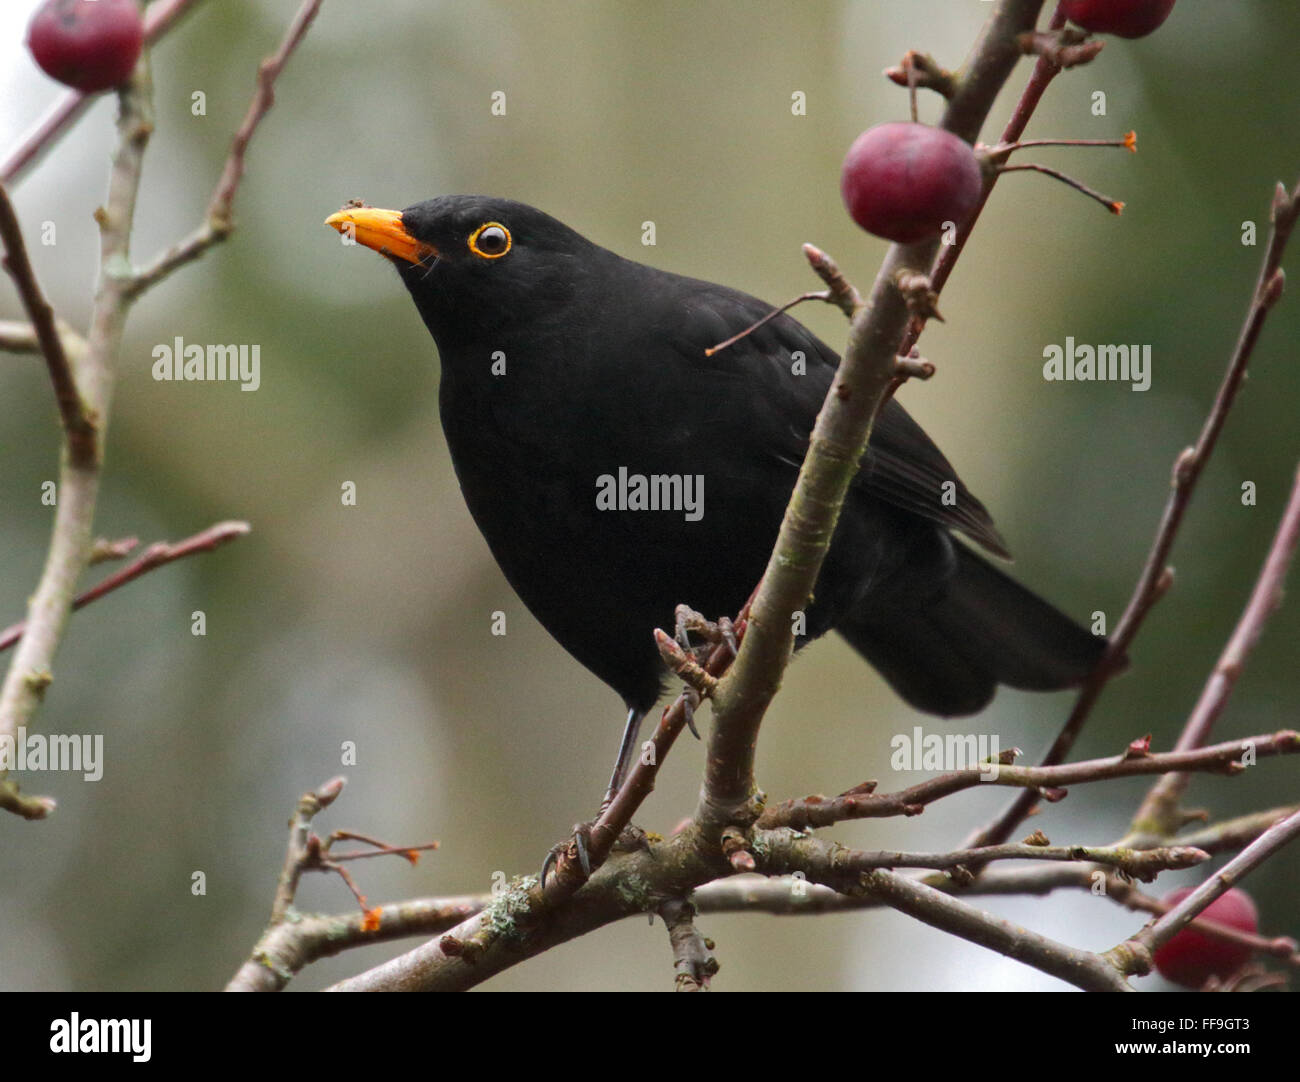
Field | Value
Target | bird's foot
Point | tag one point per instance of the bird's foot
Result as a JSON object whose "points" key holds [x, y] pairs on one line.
{"points": [[576, 847], [576, 851]]}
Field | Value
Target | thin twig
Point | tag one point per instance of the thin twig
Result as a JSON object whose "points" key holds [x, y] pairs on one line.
{"points": [[1158, 812], [835, 450], [78, 423], [71, 544], [1156, 575], [18, 337], [156, 555], [815, 295], [218, 222], [1282, 948], [1049, 781], [832, 865], [1112, 205], [1134, 954], [1142, 864], [72, 534], [693, 959]]}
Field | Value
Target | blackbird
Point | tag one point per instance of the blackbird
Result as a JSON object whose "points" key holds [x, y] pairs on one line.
{"points": [[617, 468]]}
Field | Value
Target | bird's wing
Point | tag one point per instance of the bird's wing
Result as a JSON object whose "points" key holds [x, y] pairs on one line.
{"points": [[902, 467]]}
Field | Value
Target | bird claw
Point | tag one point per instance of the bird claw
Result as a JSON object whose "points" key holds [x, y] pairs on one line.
{"points": [[688, 711], [728, 632], [580, 842]]}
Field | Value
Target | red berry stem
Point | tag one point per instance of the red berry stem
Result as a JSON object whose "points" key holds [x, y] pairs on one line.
{"points": [[1112, 205], [1002, 151]]}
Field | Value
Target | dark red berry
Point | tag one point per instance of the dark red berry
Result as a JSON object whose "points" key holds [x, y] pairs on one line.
{"points": [[904, 181], [90, 45], [1191, 957], [1124, 18]]}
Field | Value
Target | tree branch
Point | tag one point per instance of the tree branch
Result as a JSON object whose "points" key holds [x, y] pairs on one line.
{"points": [[218, 223], [78, 423], [862, 803], [1134, 955], [1159, 811], [1156, 576], [71, 544], [835, 449], [72, 538], [156, 555]]}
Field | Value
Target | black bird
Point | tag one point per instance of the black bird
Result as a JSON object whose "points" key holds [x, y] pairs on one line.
{"points": [[563, 363]]}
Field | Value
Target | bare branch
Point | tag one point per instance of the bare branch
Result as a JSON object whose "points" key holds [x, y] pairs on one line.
{"points": [[218, 223], [1134, 954], [156, 555], [18, 337], [72, 535], [78, 422], [693, 958], [1156, 576], [838, 441], [1159, 811], [863, 803]]}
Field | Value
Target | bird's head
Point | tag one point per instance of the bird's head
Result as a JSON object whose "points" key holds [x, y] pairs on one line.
{"points": [[474, 263]]}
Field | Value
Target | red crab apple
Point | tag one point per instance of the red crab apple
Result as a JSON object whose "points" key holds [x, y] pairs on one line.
{"points": [[1123, 18], [1191, 957], [904, 181], [89, 45]]}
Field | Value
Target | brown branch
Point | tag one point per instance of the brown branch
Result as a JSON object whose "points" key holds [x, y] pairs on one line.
{"points": [[218, 223], [832, 865], [1081, 968], [862, 803], [617, 816], [158, 19], [78, 488], [1156, 575], [1141, 864], [78, 422], [71, 543], [836, 446], [1159, 811], [156, 555], [1283, 948], [1235, 833], [1134, 954], [693, 959], [1265, 598], [18, 337], [293, 940], [287, 948]]}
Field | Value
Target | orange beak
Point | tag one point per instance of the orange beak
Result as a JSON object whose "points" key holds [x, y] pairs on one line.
{"points": [[381, 230]]}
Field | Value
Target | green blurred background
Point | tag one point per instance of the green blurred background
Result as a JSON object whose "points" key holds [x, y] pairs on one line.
{"points": [[371, 623]]}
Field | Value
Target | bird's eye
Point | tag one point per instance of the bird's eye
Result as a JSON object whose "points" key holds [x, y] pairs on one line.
{"points": [[491, 240]]}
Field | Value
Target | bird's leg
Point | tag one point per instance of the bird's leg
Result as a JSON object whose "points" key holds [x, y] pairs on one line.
{"points": [[626, 753], [622, 767]]}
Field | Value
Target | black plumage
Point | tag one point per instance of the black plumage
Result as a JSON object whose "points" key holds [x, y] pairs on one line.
{"points": [[605, 366]]}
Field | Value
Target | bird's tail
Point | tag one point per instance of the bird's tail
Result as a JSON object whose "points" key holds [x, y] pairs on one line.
{"points": [[948, 655]]}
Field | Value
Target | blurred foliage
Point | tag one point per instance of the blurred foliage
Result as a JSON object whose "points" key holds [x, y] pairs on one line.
{"points": [[371, 624]]}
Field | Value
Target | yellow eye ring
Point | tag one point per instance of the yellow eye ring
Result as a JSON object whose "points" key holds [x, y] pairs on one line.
{"points": [[491, 240]]}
